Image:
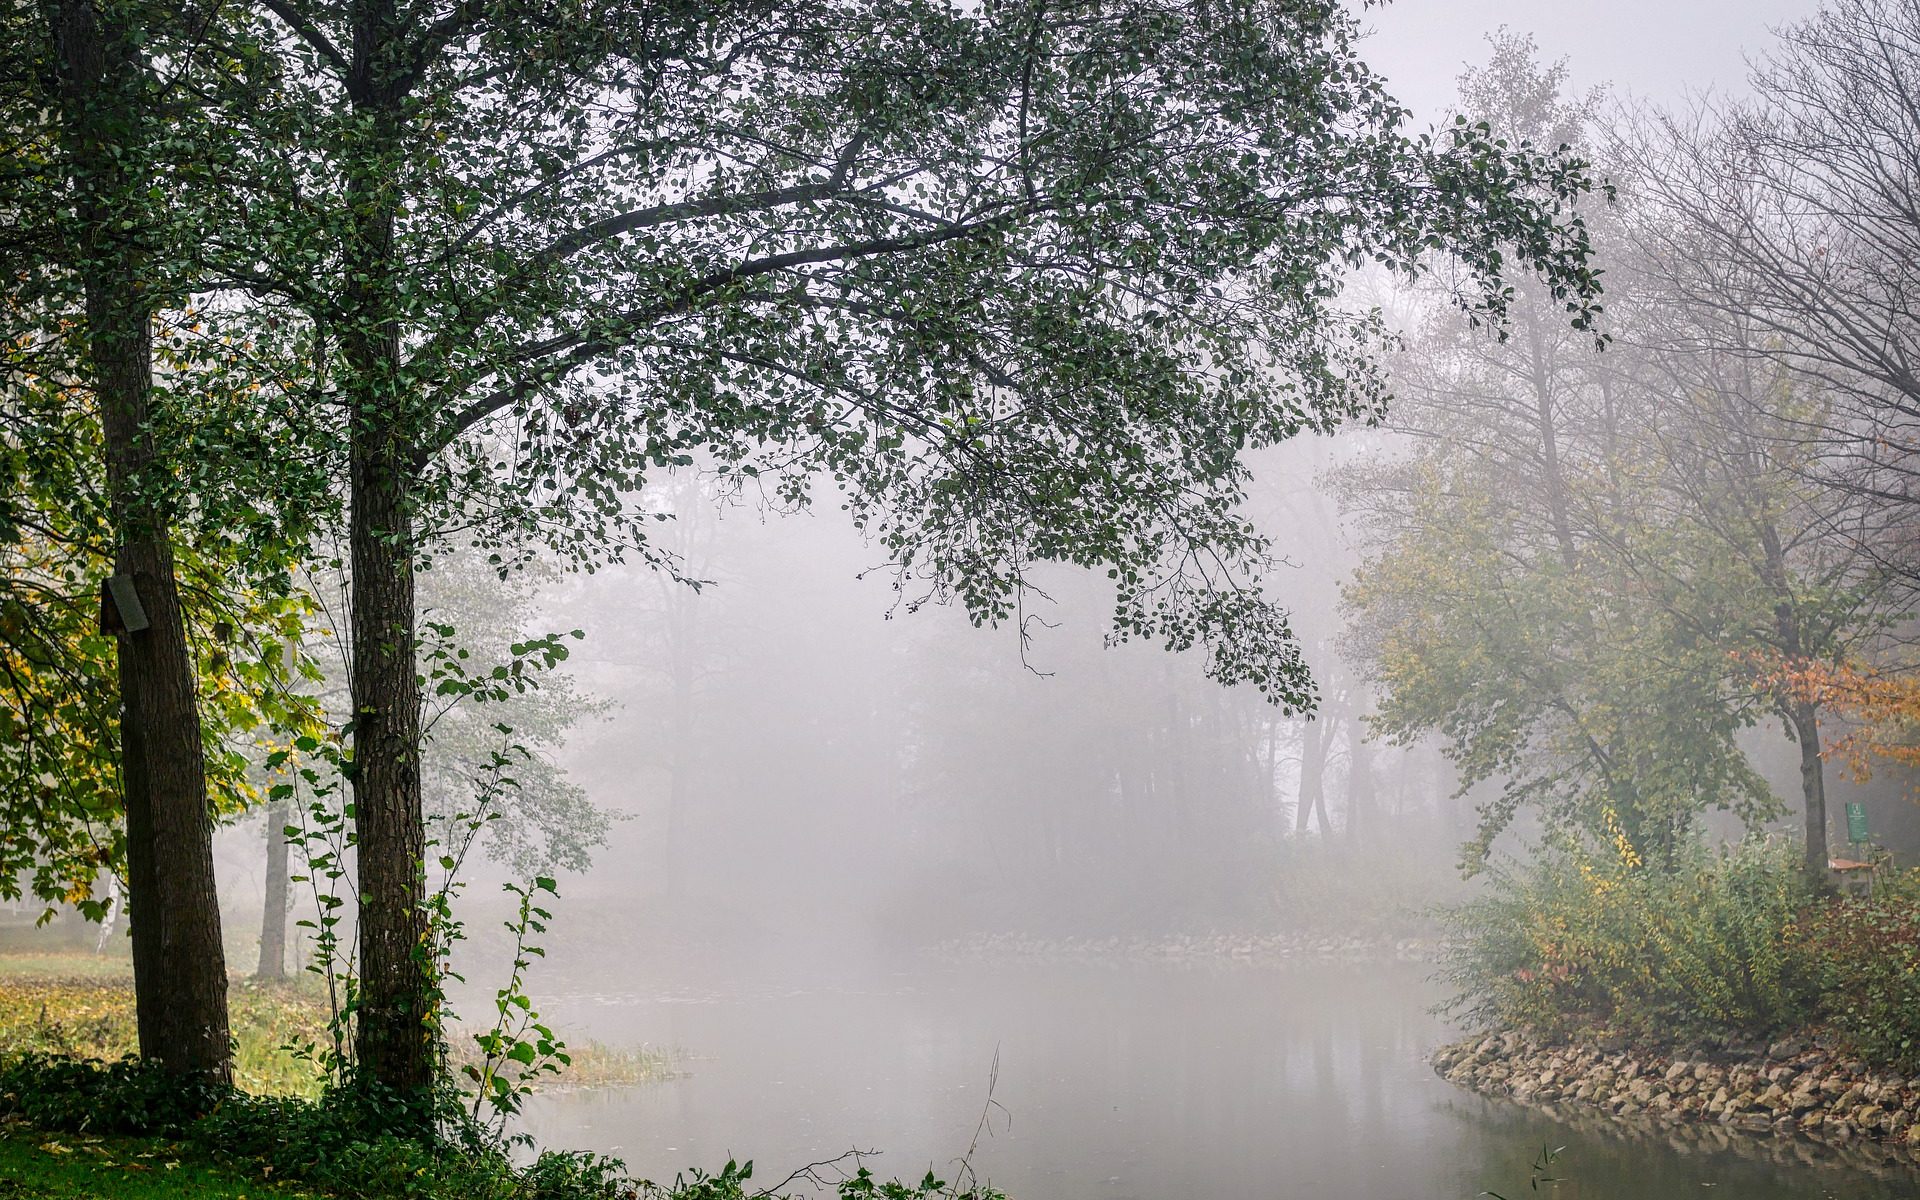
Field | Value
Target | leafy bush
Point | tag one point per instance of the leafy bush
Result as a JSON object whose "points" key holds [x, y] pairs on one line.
{"points": [[1729, 945], [88, 1096], [1863, 956], [1580, 941]]}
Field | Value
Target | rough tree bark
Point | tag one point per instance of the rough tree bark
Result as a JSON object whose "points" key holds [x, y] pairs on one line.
{"points": [[393, 1039], [180, 977]]}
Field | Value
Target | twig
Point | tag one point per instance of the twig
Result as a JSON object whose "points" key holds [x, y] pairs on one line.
{"points": [[811, 1172], [964, 1179]]}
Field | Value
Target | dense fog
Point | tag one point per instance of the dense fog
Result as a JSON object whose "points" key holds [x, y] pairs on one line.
{"points": [[1318, 662]]}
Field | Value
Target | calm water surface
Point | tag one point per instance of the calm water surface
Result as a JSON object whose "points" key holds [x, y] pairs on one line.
{"points": [[1122, 1083]]}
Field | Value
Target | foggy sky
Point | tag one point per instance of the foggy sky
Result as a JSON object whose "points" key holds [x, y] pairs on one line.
{"points": [[1657, 50]]}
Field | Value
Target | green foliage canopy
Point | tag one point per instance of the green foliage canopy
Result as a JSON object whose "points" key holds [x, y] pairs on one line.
{"points": [[238, 493], [1026, 299], [1574, 571]]}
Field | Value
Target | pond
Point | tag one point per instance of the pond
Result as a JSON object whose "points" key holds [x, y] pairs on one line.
{"points": [[1129, 1082]]}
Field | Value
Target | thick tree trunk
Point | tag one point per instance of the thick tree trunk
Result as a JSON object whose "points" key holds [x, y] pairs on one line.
{"points": [[1805, 720], [393, 1038], [180, 977], [273, 911], [180, 971]]}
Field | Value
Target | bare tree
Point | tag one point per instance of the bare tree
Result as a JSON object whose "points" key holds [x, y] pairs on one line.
{"points": [[1801, 209]]}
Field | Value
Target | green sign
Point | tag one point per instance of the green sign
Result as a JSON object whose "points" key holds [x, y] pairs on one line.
{"points": [[1856, 822]]}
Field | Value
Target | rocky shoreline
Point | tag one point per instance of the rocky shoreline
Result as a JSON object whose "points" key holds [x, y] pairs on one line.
{"points": [[1246, 948], [1792, 1089]]}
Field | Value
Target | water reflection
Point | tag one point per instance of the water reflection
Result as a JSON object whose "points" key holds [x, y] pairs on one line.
{"points": [[1123, 1083]]}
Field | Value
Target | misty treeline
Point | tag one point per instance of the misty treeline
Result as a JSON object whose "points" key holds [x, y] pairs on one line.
{"points": [[301, 289], [1605, 584], [1594, 572], [1640, 596], [818, 762]]}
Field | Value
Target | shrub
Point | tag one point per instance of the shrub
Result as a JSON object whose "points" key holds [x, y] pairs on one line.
{"points": [[1578, 940], [1863, 957], [338, 1142], [1728, 945], [88, 1096]]}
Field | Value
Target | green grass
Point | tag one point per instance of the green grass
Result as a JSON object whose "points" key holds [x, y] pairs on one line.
{"points": [[82, 1005], [75, 966], [46, 1166], [596, 1064], [66, 1005]]}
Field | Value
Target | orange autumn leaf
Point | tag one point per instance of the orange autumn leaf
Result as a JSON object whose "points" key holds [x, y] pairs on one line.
{"points": [[1881, 708]]}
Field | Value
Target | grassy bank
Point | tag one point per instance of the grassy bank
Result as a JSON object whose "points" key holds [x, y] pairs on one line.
{"points": [[86, 1130], [89, 1124], [48, 1166], [82, 1005]]}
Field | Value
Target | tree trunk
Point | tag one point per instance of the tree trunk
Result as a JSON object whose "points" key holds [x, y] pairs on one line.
{"points": [[180, 976], [1360, 781], [1315, 742], [393, 1039], [117, 896], [1805, 720], [1540, 374], [273, 912]]}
